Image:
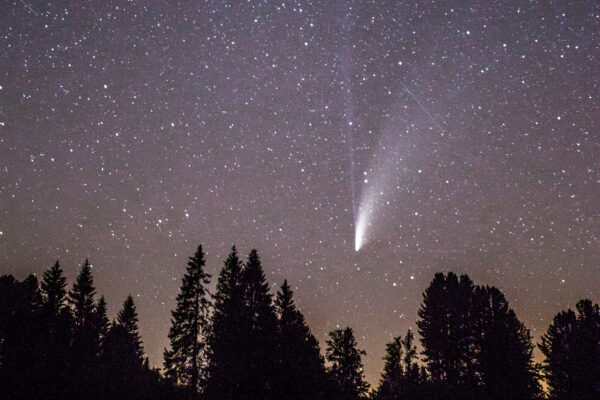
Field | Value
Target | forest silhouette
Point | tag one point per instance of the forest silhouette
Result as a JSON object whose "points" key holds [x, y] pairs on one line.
{"points": [[245, 343]]}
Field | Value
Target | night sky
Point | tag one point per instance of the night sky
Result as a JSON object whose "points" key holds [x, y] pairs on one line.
{"points": [[463, 134]]}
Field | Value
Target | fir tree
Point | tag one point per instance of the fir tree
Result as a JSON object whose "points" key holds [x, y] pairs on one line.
{"points": [[54, 289], [189, 325], [301, 370], [225, 343], [391, 378], [87, 332], [401, 377], [504, 350], [572, 353], [101, 322], [346, 368], [446, 334], [128, 318], [82, 295], [259, 331], [56, 323]]}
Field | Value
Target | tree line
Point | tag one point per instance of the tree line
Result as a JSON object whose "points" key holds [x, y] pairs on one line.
{"points": [[244, 343]]}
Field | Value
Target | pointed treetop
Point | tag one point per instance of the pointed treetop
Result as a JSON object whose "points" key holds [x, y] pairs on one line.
{"points": [[54, 288], [82, 294]]}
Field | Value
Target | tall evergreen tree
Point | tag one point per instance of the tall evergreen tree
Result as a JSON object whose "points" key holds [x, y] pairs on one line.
{"points": [[100, 318], [346, 368], [504, 349], [86, 334], [56, 322], [446, 334], [401, 378], [128, 318], [189, 325], [392, 376], [301, 369], [82, 295], [259, 332], [54, 289], [571, 347], [226, 332]]}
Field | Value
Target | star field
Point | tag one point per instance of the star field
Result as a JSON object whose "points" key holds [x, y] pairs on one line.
{"points": [[132, 131]]}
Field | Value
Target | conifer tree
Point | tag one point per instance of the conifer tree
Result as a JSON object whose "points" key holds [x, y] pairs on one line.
{"points": [[225, 343], [391, 378], [346, 368], [82, 295], [259, 331], [86, 332], [504, 349], [101, 322], [401, 377], [54, 289], [56, 323], [301, 370], [446, 334], [128, 318], [572, 353], [189, 325]]}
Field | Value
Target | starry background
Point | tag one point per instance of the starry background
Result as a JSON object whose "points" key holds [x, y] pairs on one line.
{"points": [[132, 131]]}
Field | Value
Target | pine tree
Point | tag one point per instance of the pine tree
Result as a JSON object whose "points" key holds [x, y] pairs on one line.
{"points": [[189, 326], [401, 377], [504, 350], [86, 333], [82, 295], [572, 353], [259, 328], [56, 323], [100, 318], [346, 368], [226, 332], [54, 289], [301, 370], [391, 378], [446, 334], [128, 318]]}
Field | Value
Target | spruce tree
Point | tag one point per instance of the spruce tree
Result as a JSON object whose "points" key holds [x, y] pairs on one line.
{"points": [[446, 334], [54, 289], [504, 349], [301, 370], [572, 353], [101, 322], [346, 368], [189, 325], [401, 377], [391, 378], [56, 323], [259, 331], [86, 333], [81, 296], [225, 343], [128, 318]]}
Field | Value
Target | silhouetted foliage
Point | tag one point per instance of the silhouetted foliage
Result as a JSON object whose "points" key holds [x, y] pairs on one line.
{"points": [[402, 377], [224, 339], [189, 324], [346, 368], [571, 347], [475, 347], [504, 350], [300, 366], [59, 345], [127, 317]]}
